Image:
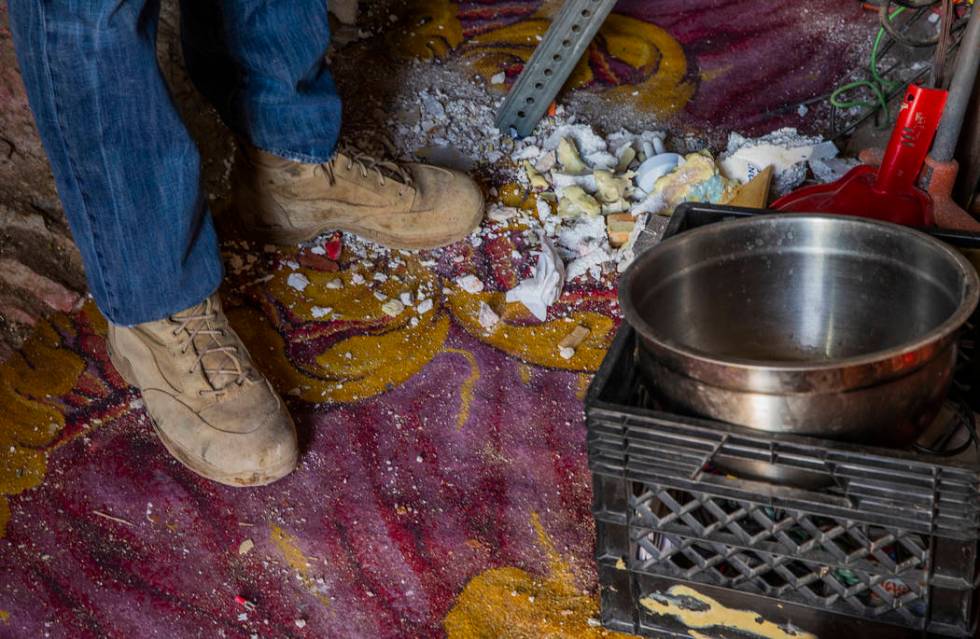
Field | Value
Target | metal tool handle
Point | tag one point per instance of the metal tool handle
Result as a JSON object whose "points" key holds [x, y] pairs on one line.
{"points": [[552, 63], [914, 129], [960, 90]]}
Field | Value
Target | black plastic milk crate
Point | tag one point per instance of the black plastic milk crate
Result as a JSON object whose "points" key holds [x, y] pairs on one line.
{"points": [[875, 541]]}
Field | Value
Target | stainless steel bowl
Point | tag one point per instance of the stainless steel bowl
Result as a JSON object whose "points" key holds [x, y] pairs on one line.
{"points": [[812, 324]]}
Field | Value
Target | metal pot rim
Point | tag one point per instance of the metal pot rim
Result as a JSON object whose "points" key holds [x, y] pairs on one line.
{"points": [[964, 310]]}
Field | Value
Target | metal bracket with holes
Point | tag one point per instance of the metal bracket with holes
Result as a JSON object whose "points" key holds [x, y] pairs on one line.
{"points": [[552, 63]]}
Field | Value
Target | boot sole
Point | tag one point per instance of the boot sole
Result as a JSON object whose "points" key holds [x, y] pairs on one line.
{"points": [[197, 466], [258, 232], [279, 236]]}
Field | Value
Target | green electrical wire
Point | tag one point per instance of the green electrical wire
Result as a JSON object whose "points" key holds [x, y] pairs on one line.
{"points": [[878, 86]]}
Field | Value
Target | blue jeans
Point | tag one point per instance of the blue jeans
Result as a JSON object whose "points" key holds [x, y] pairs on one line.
{"points": [[128, 173]]}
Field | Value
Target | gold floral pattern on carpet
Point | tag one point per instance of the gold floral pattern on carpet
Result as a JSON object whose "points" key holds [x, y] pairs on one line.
{"points": [[636, 62], [42, 369]]}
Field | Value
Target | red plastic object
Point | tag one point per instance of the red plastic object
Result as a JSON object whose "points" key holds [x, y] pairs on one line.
{"points": [[334, 246], [890, 193]]}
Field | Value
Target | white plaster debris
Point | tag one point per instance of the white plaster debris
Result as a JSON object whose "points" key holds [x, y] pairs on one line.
{"points": [[487, 317], [335, 284], [529, 152], [544, 288], [320, 311], [785, 150], [562, 181], [298, 281], [575, 175], [569, 157], [470, 283], [357, 279], [498, 78], [424, 306], [300, 623], [499, 213], [406, 298], [393, 308], [546, 162], [318, 250], [832, 169], [589, 146]]}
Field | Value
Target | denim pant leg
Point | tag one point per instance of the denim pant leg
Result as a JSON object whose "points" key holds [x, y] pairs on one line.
{"points": [[126, 168], [262, 65]]}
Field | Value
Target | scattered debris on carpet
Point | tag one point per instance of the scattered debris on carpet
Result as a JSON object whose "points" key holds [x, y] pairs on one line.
{"points": [[544, 288], [573, 202]]}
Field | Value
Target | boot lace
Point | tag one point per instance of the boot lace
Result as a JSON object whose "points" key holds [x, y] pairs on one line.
{"points": [[365, 165], [220, 363]]}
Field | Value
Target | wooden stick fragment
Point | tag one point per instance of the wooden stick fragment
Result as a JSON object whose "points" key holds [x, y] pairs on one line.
{"points": [[115, 519], [568, 344]]}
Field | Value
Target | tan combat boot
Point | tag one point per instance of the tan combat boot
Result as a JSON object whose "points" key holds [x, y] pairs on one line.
{"points": [[407, 206], [211, 408]]}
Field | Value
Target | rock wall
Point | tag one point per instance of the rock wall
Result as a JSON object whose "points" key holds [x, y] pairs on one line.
{"points": [[40, 268]]}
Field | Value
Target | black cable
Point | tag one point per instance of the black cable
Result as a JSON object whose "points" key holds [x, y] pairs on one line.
{"points": [[958, 27], [963, 418]]}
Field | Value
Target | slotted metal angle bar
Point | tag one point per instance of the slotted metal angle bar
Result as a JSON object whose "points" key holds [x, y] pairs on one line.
{"points": [[551, 64]]}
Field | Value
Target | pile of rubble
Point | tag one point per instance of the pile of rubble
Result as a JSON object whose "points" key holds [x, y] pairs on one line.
{"points": [[593, 196], [572, 202]]}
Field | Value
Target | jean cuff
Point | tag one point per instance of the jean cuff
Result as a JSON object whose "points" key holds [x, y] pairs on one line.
{"points": [[297, 156], [183, 300]]}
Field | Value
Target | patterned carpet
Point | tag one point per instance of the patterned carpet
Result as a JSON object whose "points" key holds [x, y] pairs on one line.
{"points": [[702, 65], [443, 489], [443, 483]]}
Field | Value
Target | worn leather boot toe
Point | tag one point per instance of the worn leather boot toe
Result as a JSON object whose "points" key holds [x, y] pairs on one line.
{"points": [[210, 407], [405, 206]]}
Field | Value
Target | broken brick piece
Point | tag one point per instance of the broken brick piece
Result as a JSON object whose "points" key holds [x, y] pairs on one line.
{"points": [[317, 262], [619, 226]]}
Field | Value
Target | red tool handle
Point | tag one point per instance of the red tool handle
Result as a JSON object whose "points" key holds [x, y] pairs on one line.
{"points": [[918, 119]]}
